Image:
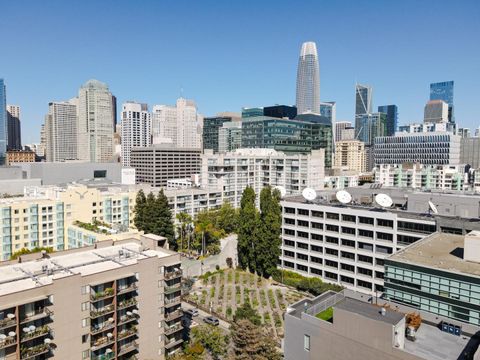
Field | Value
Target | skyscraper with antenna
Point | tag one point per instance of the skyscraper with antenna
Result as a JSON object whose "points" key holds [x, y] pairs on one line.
{"points": [[308, 80]]}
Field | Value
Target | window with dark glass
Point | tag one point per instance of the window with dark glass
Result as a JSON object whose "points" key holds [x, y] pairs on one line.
{"points": [[316, 237], [332, 216], [302, 234], [289, 221], [347, 267], [385, 223], [331, 251], [350, 243], [331, 240], [333, 228], [316, 259], [365, 220], [349, 218], [347, 255], [348, 230], [364, 258], [317, 214], [365, 233], [302, 212]]}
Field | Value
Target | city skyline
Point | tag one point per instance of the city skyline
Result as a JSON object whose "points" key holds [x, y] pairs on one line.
{"points": [[206, 67]]}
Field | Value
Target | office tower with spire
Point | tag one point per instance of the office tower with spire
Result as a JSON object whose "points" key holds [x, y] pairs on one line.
{"points": [[308, 80], [13, 126], [3, 122], [444, 91], [61, 131], [95, 122], [136, 128]]}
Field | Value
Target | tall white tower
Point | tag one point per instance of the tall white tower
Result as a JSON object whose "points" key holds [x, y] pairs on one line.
{"points": [[308, 80], [61, 131], [136, 128], [95, 122]]}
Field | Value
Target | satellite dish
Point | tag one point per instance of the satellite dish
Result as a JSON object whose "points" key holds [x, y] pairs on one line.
{"points": [[282, 190], [11, 316], [3, 336], [108, 351], [433, 207], [47, 341], [12, 333], [309, 194], [343, 196], [384, 200]]}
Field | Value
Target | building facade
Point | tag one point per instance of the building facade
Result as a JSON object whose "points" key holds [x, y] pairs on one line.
{"points": [[19, 156], [3, 122], [444, 91], [436, 111], [61, 131], [308, 80], [280, 111], [156, 164], [211, 131], [439, 274], [470, 151], [14, 128], [95, 122], [392, 118], [230, 136], [350, 155], [363, 100], [339, 127], [115, 314], [136, 129], [258, 168]]}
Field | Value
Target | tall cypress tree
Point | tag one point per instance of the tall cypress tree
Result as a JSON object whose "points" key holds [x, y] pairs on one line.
{"points": [[140, 203], [248, 221], [163, 222], [150, 214]]}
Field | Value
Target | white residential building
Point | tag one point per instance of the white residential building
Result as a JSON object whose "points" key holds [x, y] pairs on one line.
{"points": [[61, 131], [95, 122], [135, 129], [234, 171], [350, 155], [179, 125]]}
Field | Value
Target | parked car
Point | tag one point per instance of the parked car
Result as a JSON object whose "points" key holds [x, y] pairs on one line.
{"points": [[192, 312], [212, 320]]}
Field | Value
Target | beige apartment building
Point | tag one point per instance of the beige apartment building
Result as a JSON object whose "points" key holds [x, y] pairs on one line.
{"points": [[350, 155], [19, 156], [109, 301]]}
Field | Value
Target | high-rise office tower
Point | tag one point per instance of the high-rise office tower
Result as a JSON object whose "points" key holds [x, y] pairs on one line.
{"points": [[363, 106], [13, 126], [61, 131], [136, 128], [95, 122], [392, 117], [179, 125], [211, 128], [114, 112], [444, 91], [339, 127], [3, 121], [308, 80], [436, 111]]}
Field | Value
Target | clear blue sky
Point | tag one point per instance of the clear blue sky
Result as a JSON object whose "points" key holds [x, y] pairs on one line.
{"points": [[229, 54]]}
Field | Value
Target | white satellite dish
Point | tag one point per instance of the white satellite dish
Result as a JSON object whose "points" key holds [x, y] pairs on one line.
{"points": [[343, 196], [384, 200], [433, 207], [282, 190], [309, 194]]}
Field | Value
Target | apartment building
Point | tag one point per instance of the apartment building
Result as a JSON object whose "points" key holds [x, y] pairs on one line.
{"points": [[234, 171], [420, 176], [19, 156], [106, 301], [350, 155], [157, 164]]}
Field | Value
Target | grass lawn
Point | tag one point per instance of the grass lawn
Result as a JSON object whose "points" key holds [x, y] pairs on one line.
{"points": [[326, 314]]}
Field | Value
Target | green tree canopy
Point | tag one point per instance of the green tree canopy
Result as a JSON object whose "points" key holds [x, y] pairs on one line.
{"points": [[248, 221], [247, 312], [250, 342], [212, 338]]}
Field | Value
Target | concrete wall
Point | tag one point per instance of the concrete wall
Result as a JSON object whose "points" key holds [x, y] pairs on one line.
{"points": [[15, 186]]}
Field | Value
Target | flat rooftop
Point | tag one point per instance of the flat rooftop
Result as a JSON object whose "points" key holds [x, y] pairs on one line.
{"points": [[40, 272], [441, 251], [369, 311]]}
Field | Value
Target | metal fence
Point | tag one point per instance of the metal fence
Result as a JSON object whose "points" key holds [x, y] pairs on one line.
{"points": [[325, 304]]}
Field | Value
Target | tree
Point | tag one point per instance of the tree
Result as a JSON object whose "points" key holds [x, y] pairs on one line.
{"points": [[139, 210], [207, 233], [211, 338], [269, 230], [227, 218], [163, 223], [247, 224], [247, 312], [184, 220], [250, 342]]}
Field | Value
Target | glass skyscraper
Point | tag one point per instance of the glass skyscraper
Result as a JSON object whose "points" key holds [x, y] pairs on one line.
{"points": [[392, 118], [3, 122], [308, 80], [444, 91]]}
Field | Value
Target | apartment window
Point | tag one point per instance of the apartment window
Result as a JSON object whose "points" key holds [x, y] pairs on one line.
{"points": [[365, 233], [302, 268], [85, 354], [289, 210], [332, 216], [84, 339], [366, 259], [306, 342], [331, 276], [348, 230], [302, 257], [289, 232], [331, 240], [385, 223], [347, 279], [302, 223], [365, 220], [288, 253], [302, 234], [349, 243], [315, 259], [332, 252], [85, 322], [406, 240], [316, 225], [85, 306], [303, 212], [315, 271], [347, 267], [416, 227], [302, 245], [318, 214], [363, 271], [384, 236], [349, 218], [85, 289], [289, 221], [288, 242], [317, 237], [333, 228]]}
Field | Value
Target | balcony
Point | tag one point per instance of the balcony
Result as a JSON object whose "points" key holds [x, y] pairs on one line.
{"points": [[102, 342], [34, 351], [106, 356], [102, 311], [173, 288], [125, 349], [127, 333], [169, 330], [173, 315], [174, 301], [38, 332], [9, 341], [96, 329], [124, 319], [37, 314], [173, 274], [101, 295], [129, 288], [173, 342], [126, 303], [7, 322]]}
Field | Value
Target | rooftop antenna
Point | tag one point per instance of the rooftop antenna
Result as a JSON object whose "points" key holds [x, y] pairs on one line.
{"points": [[383, 200], [432, 207], [309, 194], [343, 196]]}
